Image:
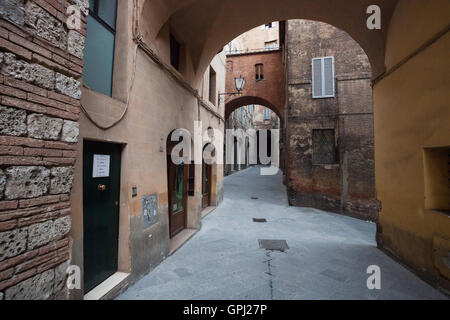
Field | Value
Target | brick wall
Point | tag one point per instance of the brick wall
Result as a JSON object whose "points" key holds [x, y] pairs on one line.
{"points": [[348, 186], [41, 65], [270, 90]]}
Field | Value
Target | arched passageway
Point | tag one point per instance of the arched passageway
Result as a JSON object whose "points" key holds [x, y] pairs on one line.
{"points": [[153, 89], [402, 61], [265, 75], [250, 126], [243, 101], [188, 19]]}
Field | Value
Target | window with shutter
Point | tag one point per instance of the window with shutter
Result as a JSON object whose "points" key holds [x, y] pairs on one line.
{"points": [[323, 77]]}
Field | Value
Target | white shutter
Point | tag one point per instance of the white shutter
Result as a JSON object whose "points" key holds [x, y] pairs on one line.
{"points": [[317, 77], [323, 77], [328, 69]]}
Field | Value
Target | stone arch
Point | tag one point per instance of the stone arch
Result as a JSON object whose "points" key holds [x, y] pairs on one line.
{"points": [[239, 102], [196, 20]]}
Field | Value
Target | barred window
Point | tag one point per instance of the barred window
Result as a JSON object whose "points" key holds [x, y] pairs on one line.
{"points": [[324, 149]]}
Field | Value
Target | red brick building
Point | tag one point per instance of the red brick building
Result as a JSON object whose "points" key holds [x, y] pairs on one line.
{"points": [[265, 77], [327, 146]]}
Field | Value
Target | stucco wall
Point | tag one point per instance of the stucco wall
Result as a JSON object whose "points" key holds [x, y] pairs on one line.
{"points": [[412, 113], [255, 39], [158, 104]]}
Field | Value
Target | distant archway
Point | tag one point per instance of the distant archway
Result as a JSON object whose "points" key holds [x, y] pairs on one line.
{"points": [[239, 102]]}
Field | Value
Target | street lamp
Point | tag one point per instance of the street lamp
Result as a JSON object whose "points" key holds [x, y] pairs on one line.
{"points": [[240, 83]]}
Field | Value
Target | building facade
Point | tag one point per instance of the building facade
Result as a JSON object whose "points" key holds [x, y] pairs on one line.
{"points": [[329, 121], [255, 56], [326, 150], [86, 172], [262, 38], [265, 119]]}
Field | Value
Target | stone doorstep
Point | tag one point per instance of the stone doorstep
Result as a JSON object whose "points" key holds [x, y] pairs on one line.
{"points": [[208, 210], [106, 286], [180, 239]]}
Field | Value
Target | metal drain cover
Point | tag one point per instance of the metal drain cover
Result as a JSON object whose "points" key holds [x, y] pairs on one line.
{"points": [[259, 220], [254, 198], [273, 245]]}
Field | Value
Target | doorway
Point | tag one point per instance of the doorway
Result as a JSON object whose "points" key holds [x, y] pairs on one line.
{"points": [[206, 182], [178, 177], [101, 194]]}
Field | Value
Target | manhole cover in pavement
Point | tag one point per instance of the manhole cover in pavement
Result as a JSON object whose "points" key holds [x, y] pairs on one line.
{"points": [[254, 198], [259, 220], [273, 245]]}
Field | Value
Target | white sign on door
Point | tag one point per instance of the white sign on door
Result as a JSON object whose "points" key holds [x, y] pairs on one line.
{"points": [[101, 166]]}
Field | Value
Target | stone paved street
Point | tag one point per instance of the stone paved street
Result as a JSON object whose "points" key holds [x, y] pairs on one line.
{"points": [[327, 257]]}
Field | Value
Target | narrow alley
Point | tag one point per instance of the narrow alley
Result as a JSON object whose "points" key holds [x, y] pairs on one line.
{"points": [[327, 256]]}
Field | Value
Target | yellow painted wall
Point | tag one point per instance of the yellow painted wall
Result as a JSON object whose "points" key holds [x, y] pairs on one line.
{"points": [[412, 112]]}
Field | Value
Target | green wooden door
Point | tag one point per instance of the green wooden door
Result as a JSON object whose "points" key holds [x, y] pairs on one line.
{"points": [[101, 191]]}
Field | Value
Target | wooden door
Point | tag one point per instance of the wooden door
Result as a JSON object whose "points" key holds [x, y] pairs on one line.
{"points": [[178, 186], [206, 185]]}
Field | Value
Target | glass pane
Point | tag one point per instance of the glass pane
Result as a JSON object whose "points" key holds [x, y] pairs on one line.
{"points": [[92, 5], [98, 57], [107, 12], [178, 188]]}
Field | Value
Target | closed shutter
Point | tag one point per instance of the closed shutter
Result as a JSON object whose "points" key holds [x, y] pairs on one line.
{"points": [[317, 78], [323, 77], [329, 77]]}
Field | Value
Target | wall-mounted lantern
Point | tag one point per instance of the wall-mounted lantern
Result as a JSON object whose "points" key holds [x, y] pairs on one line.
{"points": [[240, 84]]}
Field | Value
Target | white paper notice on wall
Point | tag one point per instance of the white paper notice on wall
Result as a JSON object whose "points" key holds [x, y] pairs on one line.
{"points": [[101, 166]]}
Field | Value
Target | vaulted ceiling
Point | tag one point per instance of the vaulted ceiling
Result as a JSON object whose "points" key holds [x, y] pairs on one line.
{"points": [[206, 26]]}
